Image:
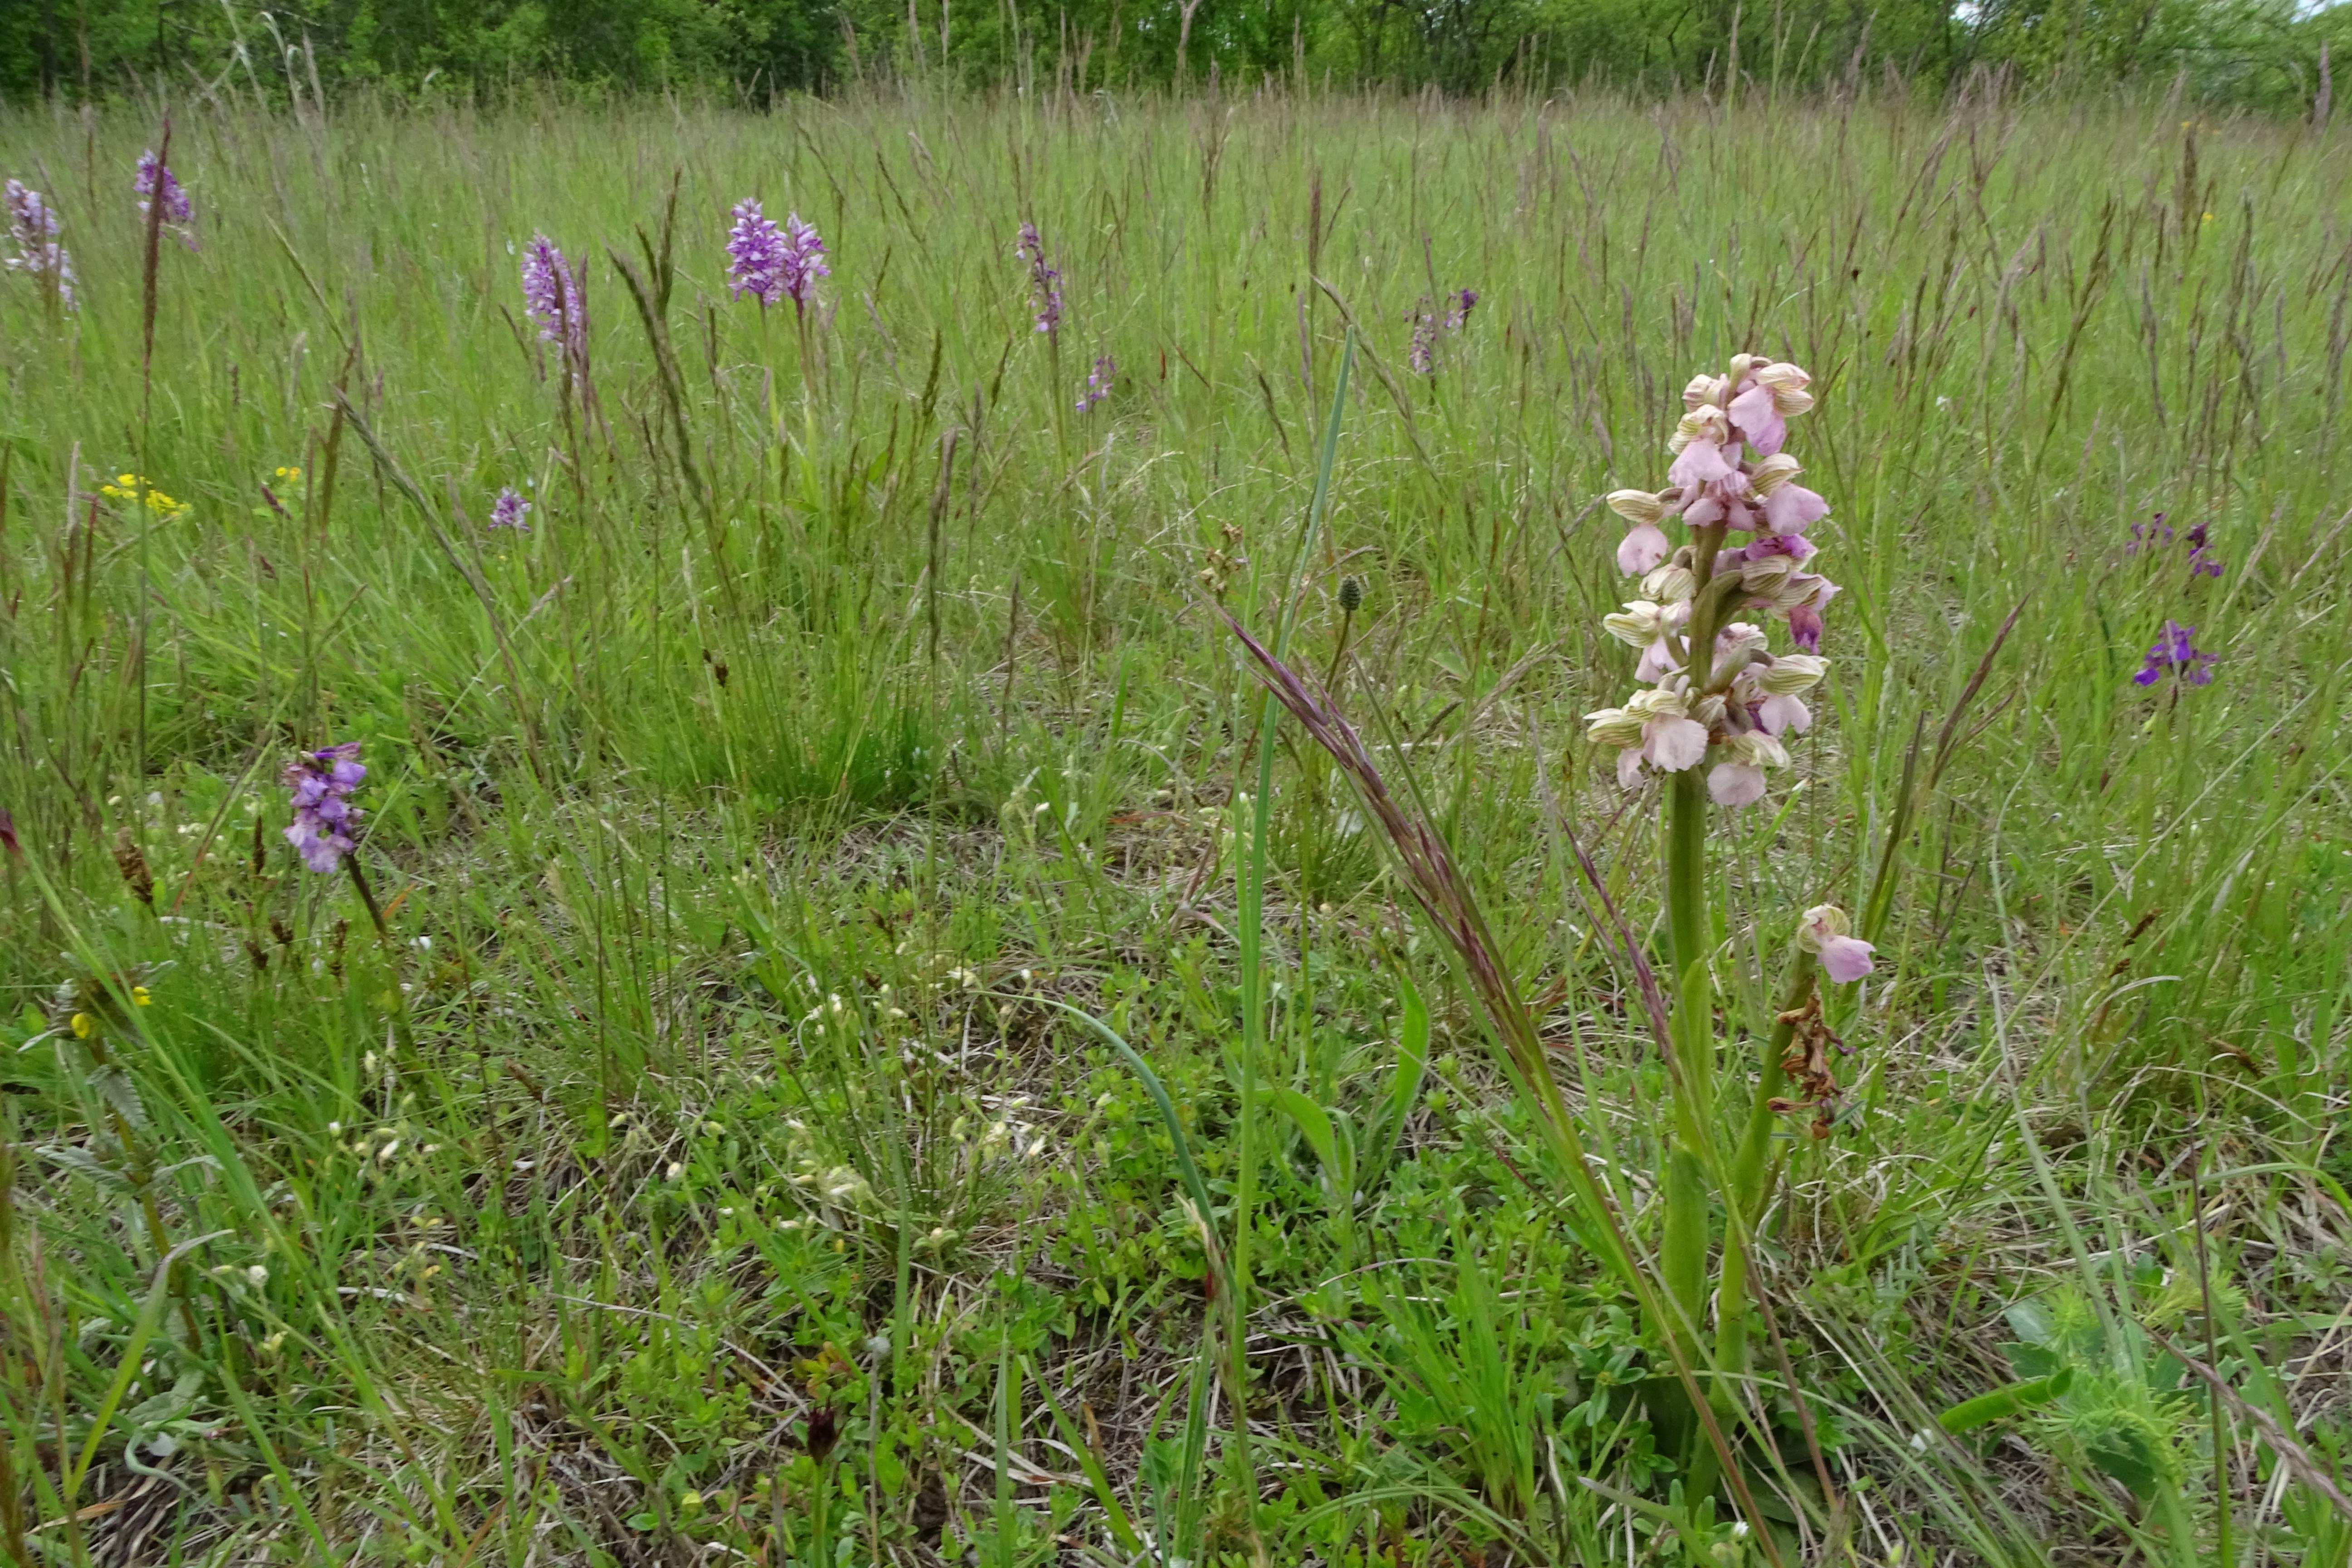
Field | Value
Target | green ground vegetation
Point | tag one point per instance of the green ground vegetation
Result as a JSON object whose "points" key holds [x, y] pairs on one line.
{"points": [[782, 1097]]}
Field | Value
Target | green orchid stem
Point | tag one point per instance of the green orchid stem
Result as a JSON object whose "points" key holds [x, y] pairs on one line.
{"points": [[402, 1034], [1750, 1185], [1689, 1218], [1683, 1250]]}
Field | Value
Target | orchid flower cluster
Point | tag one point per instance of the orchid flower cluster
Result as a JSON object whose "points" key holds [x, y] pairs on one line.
{"points": [[1045, 278], [1098, 382], [509, 510], [804, 260], [155, 183], [772, 263], [2149, 537], [2176, 653], [33, 228], [1713, 686], [1428, 326], [552, 299], [320, 786]]}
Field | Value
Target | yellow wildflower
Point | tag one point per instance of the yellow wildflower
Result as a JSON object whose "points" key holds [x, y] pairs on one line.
{"points": [[131, 488]]}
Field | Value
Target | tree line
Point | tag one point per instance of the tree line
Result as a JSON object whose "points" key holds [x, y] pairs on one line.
{"points": [[2271, 55]]}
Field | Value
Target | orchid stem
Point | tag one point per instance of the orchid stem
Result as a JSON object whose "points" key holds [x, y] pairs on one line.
{"points": [[1682, 1252], [401, 1031], [1744, 1202]]}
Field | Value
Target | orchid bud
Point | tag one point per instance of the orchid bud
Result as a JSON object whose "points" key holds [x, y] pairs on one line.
{"points": [[1765, 574], [1703, 389], [1774, 472], [1671, 583], [1793, 672], [1661, 703], [1705, 423], [1755, 749], [1640, 622], [1742, 363], [1800, 590], [1612, 727], [1637, 506]]}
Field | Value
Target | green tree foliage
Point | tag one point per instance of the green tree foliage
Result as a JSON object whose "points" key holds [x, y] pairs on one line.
{"points": [[2265, 54]]}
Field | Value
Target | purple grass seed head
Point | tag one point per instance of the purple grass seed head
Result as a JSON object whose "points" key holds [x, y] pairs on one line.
{"points": [[319, 786]]}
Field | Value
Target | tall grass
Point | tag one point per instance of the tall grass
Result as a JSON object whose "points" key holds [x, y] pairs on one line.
{"points": [[711, 1160]]}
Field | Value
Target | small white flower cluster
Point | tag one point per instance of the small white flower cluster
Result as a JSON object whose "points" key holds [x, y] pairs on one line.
{"points": [[377, 1152]]}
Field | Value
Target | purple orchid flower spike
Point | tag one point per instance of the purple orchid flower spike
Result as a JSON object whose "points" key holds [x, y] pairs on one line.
{"points": [[801, 262], [156, 183], [33, 228], [2175, 653], [1045, 280], [757, 255], [1429, 327], [321, 785], [1098, 382], [2201, 563], [509, 510], [554, 302]]}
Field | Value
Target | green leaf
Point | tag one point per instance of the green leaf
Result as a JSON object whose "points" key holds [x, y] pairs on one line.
{"points": [[168, 1405], [1098, 1478], [2131, 1454], [1404, 1084], [889, 1470], [1195, 1187], [1314, 1124], [81, 1162], [114, 1087], [2005, 1402]]}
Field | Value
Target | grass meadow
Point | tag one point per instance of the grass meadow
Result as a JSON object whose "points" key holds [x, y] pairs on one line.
{"points": [[857, 1069]]}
